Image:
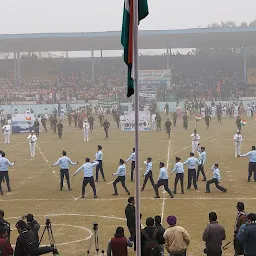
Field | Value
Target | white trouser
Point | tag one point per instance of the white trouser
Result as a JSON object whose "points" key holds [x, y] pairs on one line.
{"points": [[153, 126], [62, 116], [32, 147], [249, 114], [122, 125], [237, 148], [235, 113], [224, 114], [86, 135], [203, 114], [194, 146], [213, 114], [7, 137]]}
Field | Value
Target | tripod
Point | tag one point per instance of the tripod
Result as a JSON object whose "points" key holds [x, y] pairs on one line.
{"points": [[95, 237], [48, 227]]}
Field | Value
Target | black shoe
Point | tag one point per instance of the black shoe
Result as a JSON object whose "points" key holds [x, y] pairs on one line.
{"points": [[204, 180], [171, 196], [104, 179], [196, 188], [1, 193], [157, 197], [82, 196], [60, 189], [9, 190], [207, 192], [70, 189], [174, 192], [182, 192], [128, 193], [95, 196], [142, 189], [115, 194]]}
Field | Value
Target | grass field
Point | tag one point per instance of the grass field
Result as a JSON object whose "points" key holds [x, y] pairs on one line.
{"points": [[35, 183]]}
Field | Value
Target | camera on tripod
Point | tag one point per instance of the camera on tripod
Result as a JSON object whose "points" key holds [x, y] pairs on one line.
{"points": [[95, 238], [95, 226]]}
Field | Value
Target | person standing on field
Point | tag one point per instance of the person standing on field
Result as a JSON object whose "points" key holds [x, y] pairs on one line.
{"points": [[63, 162], [132, 157], [86, 127], [238, 141], [252, 163], [148, 173], [121, 172], [32, 143]]}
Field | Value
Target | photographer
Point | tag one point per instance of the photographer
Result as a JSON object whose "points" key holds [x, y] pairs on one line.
{"points": [[32, 224], [27, 242]]}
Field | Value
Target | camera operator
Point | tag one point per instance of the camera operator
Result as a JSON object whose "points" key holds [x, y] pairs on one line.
{"points": [[5, 246], [4, 223], [32, 224], [27, 242]]}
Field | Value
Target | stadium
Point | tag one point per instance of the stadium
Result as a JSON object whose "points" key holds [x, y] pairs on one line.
{"points": [[219, 67]]}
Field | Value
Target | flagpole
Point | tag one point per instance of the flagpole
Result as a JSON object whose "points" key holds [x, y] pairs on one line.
{"points": [[136, 95]]}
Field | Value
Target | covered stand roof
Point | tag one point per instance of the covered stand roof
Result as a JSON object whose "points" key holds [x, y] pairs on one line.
{"points": [[148, 39]]}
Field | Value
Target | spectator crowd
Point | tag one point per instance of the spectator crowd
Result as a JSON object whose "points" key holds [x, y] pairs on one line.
{"points": [[155, 239]]}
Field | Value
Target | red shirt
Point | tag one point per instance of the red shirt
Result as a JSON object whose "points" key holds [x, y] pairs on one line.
{"points": [[7, 250]]}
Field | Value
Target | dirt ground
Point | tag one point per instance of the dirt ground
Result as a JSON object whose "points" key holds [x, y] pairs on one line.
{"points": [[35, 183]]}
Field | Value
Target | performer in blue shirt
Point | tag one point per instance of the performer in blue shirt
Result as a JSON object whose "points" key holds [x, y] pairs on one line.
{"points": [[132, 158], [88, 176], [148, 173], [179, 169], [63, 162], [215, 179], [252, 163], [99, 167], [121, 172], [163, 181]]}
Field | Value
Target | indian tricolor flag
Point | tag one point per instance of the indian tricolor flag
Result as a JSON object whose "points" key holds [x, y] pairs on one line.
{"points": [[198, 117], [127, 37], [243, 122]]}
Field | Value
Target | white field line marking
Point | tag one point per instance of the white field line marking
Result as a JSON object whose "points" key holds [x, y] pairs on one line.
{"points": [[53, 171], [167, 166], [125, 198]]}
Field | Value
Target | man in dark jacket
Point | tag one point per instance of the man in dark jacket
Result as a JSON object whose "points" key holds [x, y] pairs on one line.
{"points": [[213, 236], [149, 231], [247, 235], [240, 220], [158, 225], [27, 243], [5, 246], [130, 217]]}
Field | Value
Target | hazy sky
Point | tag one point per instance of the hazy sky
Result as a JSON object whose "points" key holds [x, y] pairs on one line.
{"points": [[31, 16]]}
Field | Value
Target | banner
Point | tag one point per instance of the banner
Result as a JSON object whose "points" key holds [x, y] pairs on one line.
{"points": [[153, 79], [154, 75], [107, 103], [22, 123], [144, 121], [148, 94]]}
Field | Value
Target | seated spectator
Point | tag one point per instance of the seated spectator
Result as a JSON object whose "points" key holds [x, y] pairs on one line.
{"points": [[117, 246], [176, 238], [247, 235], [151, 239], [5, 246], [213, 236]]}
